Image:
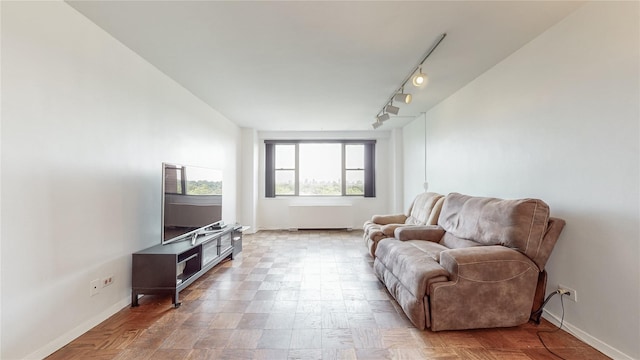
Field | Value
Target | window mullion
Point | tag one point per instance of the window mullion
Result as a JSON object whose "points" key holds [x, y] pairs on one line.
{"points": [[343, 183], [297, 170]]}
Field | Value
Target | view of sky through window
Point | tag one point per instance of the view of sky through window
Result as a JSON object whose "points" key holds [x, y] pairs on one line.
{"points": [[320, 169]]}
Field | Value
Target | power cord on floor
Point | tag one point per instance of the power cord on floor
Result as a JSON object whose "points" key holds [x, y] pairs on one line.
{"points": [[538, 313]]}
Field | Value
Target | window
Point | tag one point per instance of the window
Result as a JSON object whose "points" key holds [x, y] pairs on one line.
{"points": [[320, 168], [354, 169], [285, 170]]}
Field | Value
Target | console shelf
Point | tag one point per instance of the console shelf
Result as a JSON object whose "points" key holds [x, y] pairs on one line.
{"points": [[172, 267]]}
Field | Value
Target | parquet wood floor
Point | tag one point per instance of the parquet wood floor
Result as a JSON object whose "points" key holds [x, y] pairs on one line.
{"points": [[300, 295]]}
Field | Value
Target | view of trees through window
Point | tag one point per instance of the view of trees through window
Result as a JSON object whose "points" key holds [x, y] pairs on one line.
{"points": [[319, 169]]}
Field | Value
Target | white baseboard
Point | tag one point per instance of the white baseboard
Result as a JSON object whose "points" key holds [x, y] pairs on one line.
{"points": [[587, 338], [66, 338]]}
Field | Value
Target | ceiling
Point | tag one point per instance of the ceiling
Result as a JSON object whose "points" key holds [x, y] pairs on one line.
{"points": [[321, 65]]}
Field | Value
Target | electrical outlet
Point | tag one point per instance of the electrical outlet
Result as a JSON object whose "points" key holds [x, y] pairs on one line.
{"points": [[94, 287], [573, 295], [107, 281]]}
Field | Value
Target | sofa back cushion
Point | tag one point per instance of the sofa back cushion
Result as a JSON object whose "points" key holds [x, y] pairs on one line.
{"points": [[422, 207], [517, 224]]}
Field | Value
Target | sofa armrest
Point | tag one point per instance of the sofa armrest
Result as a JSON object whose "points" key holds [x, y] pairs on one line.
{"points": [[490, 286], [485, 263], [389, 219], [389, 229], [424, 232]]}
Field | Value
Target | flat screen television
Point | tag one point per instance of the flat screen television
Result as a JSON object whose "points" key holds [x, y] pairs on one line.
{"points": [[191, 201]]}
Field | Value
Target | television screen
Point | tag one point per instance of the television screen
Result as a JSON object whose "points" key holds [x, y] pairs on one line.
{"points": [[191, 201]]}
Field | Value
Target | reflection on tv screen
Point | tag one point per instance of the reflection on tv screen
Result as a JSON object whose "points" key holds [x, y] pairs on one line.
{"points": [[192, 200]]}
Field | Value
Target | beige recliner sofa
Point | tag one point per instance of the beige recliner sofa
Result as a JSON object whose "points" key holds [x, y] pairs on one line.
{"points": [[424, 210], [477, 268]]}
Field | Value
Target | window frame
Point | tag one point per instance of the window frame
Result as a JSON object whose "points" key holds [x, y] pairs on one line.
{"points": [[369, 166], [295, 169], [345, 169]]}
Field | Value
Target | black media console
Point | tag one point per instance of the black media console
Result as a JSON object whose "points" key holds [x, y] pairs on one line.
{"points": [[172, 267]]}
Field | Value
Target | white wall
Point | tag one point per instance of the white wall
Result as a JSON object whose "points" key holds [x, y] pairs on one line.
{"points": [[273, 213], [414, 159], [249, 179], [86, 124], [396, 171], [559, 120]]}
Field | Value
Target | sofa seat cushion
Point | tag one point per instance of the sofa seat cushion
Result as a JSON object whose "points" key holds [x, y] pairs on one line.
{"points": [[451, 241], [412, 262], [429, 248]]}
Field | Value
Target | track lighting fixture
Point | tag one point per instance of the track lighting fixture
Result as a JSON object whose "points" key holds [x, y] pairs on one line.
{"points": [[420, 79], [391, 109], [383, 117], [402, 97], [417, 77]]}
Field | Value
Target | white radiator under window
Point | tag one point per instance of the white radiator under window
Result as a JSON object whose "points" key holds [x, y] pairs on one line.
{"points": [[320, 216]]}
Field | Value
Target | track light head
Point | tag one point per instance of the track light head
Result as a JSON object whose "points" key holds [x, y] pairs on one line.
{"points": [[402, 97], [392, 109], [383, 117], [420, 79], [376, 124]]}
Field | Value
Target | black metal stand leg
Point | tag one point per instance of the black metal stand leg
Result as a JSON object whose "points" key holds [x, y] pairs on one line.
{"points": [[134, 299], [176, 303]]}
